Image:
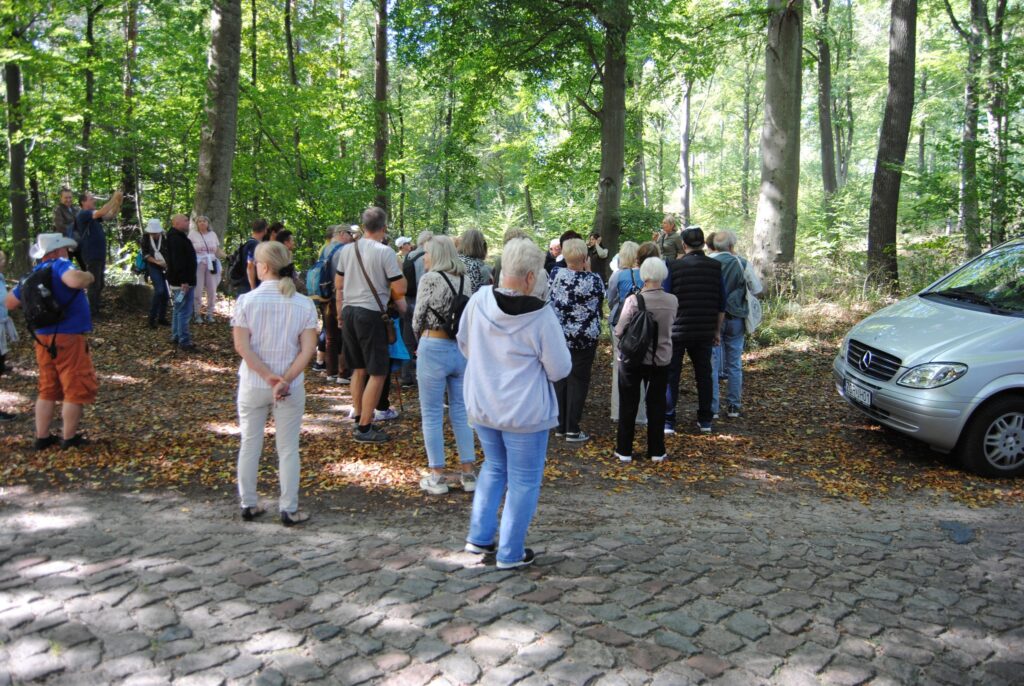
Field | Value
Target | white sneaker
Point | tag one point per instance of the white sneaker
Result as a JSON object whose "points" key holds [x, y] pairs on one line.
{"points": [[669, 431], [385, 415], [468, 481], [434, 484], [624, 458], [352, 413], [659, 458]]}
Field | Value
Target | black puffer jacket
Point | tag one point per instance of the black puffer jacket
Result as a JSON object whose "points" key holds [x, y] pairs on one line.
{"points": [[181, 259], [697, 283]]}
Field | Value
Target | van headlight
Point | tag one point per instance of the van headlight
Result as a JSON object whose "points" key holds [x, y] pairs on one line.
{"points": [[933, 375]]}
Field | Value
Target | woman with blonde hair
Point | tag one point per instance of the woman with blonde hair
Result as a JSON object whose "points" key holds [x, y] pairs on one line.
{"points": [[275, 331], [440, 366], [623, 283], [209, 268]]}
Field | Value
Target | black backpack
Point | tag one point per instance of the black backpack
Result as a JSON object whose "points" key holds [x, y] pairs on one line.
{"points": [[639, 337], [40, 304], [239, 263], [409, 272], [450, 324]]}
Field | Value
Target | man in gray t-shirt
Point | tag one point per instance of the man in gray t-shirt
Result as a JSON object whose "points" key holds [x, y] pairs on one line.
{"points": [[363, 330]]}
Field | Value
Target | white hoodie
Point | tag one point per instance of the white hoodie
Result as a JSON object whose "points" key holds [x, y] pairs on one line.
{"points": [[515, 350]]}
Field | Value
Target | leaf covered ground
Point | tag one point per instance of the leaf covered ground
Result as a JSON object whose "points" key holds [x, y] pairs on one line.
{"points": [[167, 420]]}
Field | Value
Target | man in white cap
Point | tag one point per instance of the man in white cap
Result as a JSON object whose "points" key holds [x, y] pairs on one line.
{"points": [[66, 373], [404, 245]]}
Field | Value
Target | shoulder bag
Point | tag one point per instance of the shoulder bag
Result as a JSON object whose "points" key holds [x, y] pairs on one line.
{"points": [[389, 325]]}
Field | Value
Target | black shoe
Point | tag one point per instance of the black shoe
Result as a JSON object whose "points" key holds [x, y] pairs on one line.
{"points": [[7, 416], [152, 324], [44, 443], [251, 513], [527, 560], [163, 322], [294, 518], [76, 441], [481, 549], [188, 348]]}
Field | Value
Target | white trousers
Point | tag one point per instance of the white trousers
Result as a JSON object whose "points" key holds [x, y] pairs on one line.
{"points": [[205, 281], [254, 405]]}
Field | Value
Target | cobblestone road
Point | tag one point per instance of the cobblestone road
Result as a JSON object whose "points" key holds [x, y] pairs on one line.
{"points": [[155, 589]]}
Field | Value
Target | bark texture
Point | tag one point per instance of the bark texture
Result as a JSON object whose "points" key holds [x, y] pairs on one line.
{"points": [[16, 157], [217, 143], [380, 98], [892, 146], [775, 226]]}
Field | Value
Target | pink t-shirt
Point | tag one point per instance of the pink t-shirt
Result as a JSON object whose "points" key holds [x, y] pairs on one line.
{"points": [[206, 245]]}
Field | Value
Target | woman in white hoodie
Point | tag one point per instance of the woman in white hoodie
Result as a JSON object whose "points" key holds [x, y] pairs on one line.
{"points": [[515, 351]]}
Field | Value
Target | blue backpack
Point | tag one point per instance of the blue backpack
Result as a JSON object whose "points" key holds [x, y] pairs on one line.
{"points": [[319, 281]]}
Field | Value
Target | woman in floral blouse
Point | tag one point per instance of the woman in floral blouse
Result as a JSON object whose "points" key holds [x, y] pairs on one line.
{"points": [[576, 296]]}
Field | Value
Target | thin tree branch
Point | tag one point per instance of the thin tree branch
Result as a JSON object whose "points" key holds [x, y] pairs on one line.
{"points": [[595, 113], [956, 24]]}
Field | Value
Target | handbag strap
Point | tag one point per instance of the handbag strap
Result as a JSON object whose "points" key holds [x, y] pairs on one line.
{"points": [[362, 267]]}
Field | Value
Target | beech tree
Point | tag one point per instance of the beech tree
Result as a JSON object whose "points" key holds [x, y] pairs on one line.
{"points": [[775, 227], [217, 143]]}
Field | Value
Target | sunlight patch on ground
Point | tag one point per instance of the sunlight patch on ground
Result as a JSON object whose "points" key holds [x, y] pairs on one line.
{"points": [[120, 378], [206, 367], [41, 521], [761, 475], [223, 428], [9, 398]]}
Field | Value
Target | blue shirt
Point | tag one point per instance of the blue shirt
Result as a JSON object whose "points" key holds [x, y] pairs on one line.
{"points": [[77, 318], [93, 246]]}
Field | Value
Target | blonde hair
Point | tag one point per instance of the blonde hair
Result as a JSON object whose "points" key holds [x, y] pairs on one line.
{"points": [[443, 256], [627, 255], [574, 249], [276, 257]]}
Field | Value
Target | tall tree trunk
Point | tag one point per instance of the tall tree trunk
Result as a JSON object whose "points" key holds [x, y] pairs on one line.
{"points": [[293, 79], [16, 159], [90, 91], [997, 121], [842, 102], [750, 109], [892, 147], [131, 212], [446, 150], [401, 155], [685, 139], [661, 165], [380, 98], [217, 142], [923, 130], [36, 200], [617, 21], [775, 226], [257, 143], [828, 156], [528, 198], [638, 182]]}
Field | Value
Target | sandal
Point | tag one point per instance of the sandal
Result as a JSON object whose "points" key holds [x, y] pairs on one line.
{"points": [[251, 513], [293, 518]]}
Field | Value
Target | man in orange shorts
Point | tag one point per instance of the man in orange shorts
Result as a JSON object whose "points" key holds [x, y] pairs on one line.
{"points": [[66, 373]]}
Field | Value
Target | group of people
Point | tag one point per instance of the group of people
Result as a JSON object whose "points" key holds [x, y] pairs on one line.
{"points": [[507, 348]]}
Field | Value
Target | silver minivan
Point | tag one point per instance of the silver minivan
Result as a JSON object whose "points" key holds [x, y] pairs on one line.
{"points": [[946, 365]]}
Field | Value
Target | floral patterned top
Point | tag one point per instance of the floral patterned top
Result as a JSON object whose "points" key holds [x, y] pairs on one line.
{"points": [[479, 273], [577, 298]]}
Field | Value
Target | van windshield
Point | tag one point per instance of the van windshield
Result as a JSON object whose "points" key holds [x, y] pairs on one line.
{"points": [[994, 281]]}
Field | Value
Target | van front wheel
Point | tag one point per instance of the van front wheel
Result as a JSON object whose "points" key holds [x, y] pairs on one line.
{"points": [[993, 444]]}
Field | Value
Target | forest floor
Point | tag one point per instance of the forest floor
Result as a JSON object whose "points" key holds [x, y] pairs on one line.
{"points": [[166, 420]]}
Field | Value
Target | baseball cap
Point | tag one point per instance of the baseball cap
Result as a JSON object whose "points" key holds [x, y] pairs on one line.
{"points": [[693, 236], [402, 240]]}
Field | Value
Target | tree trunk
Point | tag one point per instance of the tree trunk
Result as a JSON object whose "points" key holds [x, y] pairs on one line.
{"points": [[380, 98], [892, 147], [749, 114], [293, 79], [922, 132], [217, 142], [446, 150], [90, 92], [775, 226], [37, 202], [16, 158], [998, 128], [828, 156], [970, 220], [842, 104], [257, 143], [608, 219], [130, 210], [685, 138], [530, 217]]}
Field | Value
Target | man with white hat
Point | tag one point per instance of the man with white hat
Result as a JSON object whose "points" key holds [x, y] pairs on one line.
{"points": [[66, 372], [153, 247], [404, 245]]}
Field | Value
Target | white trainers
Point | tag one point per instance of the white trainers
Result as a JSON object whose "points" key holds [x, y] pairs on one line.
{"points": [[385, 415], [624, 458], [468, 481], [659, 458], [434, 484]]}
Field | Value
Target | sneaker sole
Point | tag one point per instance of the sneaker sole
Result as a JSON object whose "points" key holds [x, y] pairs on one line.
{"points": [[480, 550], [658, 459]]}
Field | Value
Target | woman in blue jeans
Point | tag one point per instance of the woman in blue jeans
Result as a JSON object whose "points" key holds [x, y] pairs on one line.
{"points": [[515, 351], [440, 366], [152, 242]]}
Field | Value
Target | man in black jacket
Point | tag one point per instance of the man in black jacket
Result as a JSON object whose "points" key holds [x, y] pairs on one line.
{"points": [[181, 275], [696, 281]]}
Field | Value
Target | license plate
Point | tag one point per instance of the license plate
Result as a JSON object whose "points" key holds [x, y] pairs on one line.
{"points": [[857, 393]]}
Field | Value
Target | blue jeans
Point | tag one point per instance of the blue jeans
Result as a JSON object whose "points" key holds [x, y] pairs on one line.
{"points": [[442, 366], [184, 303], [514, 462], [729, 357], [158, 306]]}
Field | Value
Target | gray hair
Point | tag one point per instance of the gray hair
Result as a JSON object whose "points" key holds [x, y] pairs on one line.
{"points": [[627, 255], [474, 244], [443, 256], [653, 269], [671, 220], [338, 229], [520, 257], [574, 249], [725, 241], [423, 238]]}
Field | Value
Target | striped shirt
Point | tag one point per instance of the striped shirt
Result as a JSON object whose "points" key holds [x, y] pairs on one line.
{"points": [[275, 324]]}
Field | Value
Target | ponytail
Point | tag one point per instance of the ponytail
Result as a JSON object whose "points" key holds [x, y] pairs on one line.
{"points": [[279, 260]]}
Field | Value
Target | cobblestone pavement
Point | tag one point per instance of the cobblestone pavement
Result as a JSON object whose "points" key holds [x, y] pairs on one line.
{"points": [[628, 589]]}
